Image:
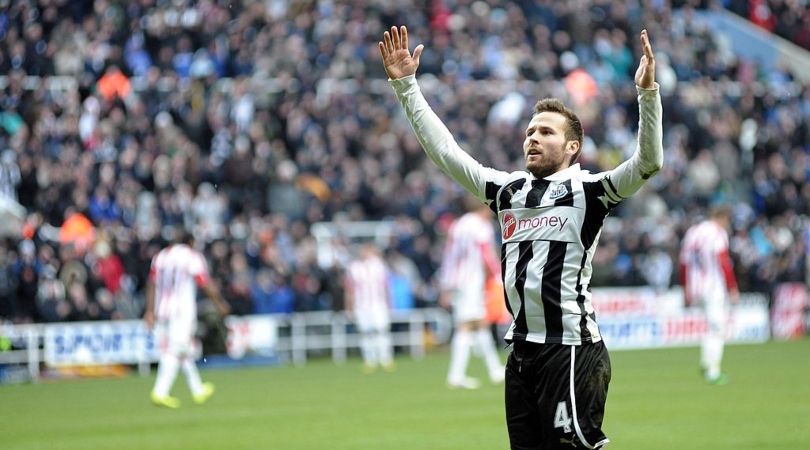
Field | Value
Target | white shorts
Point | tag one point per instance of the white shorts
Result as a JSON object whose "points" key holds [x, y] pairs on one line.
{"points": [[716, 311], [176, 336], [468, 305], [372, 320]]}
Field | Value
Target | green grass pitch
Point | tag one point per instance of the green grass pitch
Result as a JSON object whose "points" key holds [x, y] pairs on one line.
{"points": [[657, 400]]}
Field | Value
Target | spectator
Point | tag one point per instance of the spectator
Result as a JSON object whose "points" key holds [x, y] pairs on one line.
{"points": [[27, 270], [270, 294], [10, 176], [267, 116], [8, 282]]}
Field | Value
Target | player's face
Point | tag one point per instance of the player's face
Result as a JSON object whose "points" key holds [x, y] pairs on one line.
{"points": [[545, 146]]}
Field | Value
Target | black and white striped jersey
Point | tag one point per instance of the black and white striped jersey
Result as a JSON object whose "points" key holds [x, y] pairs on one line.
{"points": [[550, 226]]}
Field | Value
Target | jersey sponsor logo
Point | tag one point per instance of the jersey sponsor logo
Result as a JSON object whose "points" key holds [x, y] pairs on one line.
{"points": [[509, 225], [527, 224], [558, 191], [541, 222]]}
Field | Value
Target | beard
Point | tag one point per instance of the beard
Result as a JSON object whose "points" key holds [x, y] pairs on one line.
{"points": [[547, 164]]}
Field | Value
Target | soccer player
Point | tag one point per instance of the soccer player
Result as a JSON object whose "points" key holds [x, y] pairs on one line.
{"points": [[708, 281], [469, 260], [171, 308], [551, 214], [368, 303]]}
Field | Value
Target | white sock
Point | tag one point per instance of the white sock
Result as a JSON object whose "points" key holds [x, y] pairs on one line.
{"points": [[459, 356], [486, 345], [384, 350], [367, 348], [192, 375], [167, 371], [712, 355]]}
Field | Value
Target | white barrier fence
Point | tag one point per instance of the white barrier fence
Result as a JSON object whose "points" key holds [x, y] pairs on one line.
{"points": [[297, 335], [629, 318], [294, 336], [635, 318]]}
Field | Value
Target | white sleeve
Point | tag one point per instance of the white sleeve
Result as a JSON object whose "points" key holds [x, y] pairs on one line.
{"points": [[439, 144], [197, 266], [628, 177]]}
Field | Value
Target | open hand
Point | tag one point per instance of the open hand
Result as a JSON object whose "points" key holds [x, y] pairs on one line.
{"points": [[397, 59], [645, 74]]}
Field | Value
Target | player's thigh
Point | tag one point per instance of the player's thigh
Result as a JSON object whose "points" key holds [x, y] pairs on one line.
{"points": [[373, 321], [522, 412], [591, 374], [181, 335], [468, 306], [161, 334], [716, 313]]}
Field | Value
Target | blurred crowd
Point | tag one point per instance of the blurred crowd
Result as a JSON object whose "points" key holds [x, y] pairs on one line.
{"points": [[247, 122], [789, 19]]}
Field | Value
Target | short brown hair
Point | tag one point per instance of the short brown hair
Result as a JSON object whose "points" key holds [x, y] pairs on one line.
{"points": [[720, 210], [574, 126]]}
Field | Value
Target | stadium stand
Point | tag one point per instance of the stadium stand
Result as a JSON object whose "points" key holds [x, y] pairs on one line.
{"points": [[248, 122], [787, 19]]}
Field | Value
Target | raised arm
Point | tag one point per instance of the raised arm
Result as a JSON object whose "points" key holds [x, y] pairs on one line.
{"points": [[397, 59], [437, 141], [648, 158]]}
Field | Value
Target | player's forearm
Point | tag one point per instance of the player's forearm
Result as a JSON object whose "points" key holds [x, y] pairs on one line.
{"points": [[491, 263], [728, 271], [435, 138], [149, 307], [650, 131], [213, 293], [649, 155]]}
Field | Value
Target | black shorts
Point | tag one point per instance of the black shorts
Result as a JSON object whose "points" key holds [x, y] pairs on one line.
{"points": [[555, 395]]}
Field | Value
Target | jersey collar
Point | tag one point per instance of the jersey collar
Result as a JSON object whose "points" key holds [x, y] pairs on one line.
{"points": [[565, 174]]}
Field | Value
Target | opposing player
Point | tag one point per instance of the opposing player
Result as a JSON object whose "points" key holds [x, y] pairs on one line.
{"points": [[708, 281], [171, 308], [468, 262], [368, 303], [551, 215]]}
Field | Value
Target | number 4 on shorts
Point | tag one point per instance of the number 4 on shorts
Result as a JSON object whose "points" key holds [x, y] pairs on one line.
{"points": [[561, 417]]}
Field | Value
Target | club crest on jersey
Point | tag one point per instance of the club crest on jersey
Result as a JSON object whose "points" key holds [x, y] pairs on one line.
{"points": [[509, 225], [558, 191]]}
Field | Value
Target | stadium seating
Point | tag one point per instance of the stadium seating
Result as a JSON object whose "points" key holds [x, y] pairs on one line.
{"points": [[249, 124]]}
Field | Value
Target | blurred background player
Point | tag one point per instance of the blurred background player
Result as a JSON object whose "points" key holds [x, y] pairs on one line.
{"points": [[171, 308], [469, 262], [368, 304], [708, 280]]}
